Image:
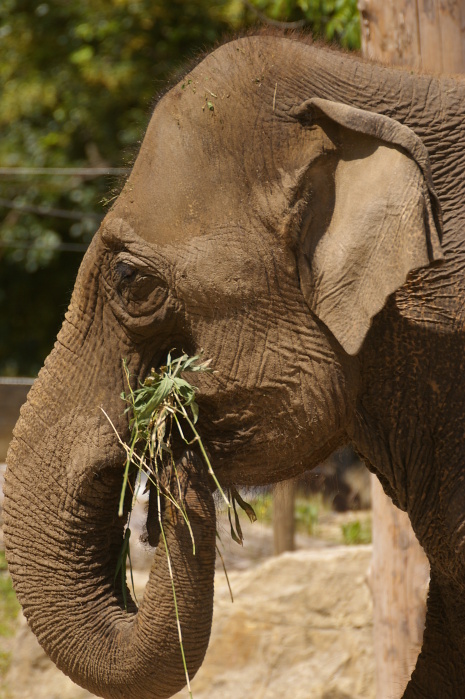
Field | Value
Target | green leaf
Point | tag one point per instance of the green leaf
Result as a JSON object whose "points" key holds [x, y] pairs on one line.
{"points": [[189, 361], [195, 411], [183, 386], [205, 366], [162, 391]]}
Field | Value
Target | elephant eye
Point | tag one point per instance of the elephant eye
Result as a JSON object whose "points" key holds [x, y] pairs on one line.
{"points": [[140, 291], [125, 272]]}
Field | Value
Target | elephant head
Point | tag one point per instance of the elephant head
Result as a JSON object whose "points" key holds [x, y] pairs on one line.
{"points": [[276, 219]]}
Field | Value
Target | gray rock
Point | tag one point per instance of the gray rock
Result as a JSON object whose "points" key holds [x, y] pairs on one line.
{"points": [[300, 627]]}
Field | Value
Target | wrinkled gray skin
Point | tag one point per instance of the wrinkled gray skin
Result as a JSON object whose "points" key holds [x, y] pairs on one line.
{"points": [[293, 232]]}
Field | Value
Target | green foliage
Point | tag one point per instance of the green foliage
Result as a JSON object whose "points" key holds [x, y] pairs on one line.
{"points": [[311, 518], [163, 401], [78, 80], [357, 532], [9, 605], [159, 403], [332, 20], [263, 507], [307, 513], [5, 662]]}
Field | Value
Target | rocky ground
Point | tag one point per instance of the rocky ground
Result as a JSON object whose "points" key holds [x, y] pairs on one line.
{"points": [[300, 625]]}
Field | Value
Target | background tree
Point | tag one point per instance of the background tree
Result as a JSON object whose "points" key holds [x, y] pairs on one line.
{"points": [[79, 80]]}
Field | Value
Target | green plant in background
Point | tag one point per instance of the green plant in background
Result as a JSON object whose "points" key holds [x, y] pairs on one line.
{"points": [[9, 609], [9, 606], [356, 532], [307, 513], [263, 507], [78, 81], [314, 517], [336, 21]]}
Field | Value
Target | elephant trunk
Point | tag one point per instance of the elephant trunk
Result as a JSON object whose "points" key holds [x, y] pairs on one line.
{"points": [[63, 538]]}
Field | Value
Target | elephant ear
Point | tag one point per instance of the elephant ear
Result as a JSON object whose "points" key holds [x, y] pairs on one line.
{"points": [[372, 218]]}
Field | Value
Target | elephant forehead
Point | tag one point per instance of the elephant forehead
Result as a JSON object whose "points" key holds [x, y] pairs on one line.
{"points": [[213, 140], [185, 178], [179, 183]]}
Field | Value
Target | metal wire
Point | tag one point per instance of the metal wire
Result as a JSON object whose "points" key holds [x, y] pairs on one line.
{"points": [[61, 247], [46, 211], [64, 171]]}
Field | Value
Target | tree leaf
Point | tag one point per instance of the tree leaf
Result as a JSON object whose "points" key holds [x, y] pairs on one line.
{"points": [[195, 411]]}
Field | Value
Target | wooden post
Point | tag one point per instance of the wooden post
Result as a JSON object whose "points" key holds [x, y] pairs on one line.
{"points": [[399, 579], [425, 35], [283, 517]]}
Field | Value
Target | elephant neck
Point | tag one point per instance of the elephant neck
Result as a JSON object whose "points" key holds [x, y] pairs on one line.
{"points": [[408, 422]]}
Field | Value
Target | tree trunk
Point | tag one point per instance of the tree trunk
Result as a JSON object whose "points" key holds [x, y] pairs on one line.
{"points": [[425, 35], [399, 583], [283, 517]]}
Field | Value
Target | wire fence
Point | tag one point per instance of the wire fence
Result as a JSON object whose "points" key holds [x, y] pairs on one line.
{"points": [[63, 171], [47, 211], [82, 172]]}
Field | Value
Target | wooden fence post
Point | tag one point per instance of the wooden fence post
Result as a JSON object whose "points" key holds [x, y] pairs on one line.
{"points": [[399, 580], [283, 517]]}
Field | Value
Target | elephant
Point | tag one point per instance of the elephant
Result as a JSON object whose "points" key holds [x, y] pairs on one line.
{"points": [[297, 213]]}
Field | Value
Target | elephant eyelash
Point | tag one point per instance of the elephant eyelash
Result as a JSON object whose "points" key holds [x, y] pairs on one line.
{"points": [[125, 274]]}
